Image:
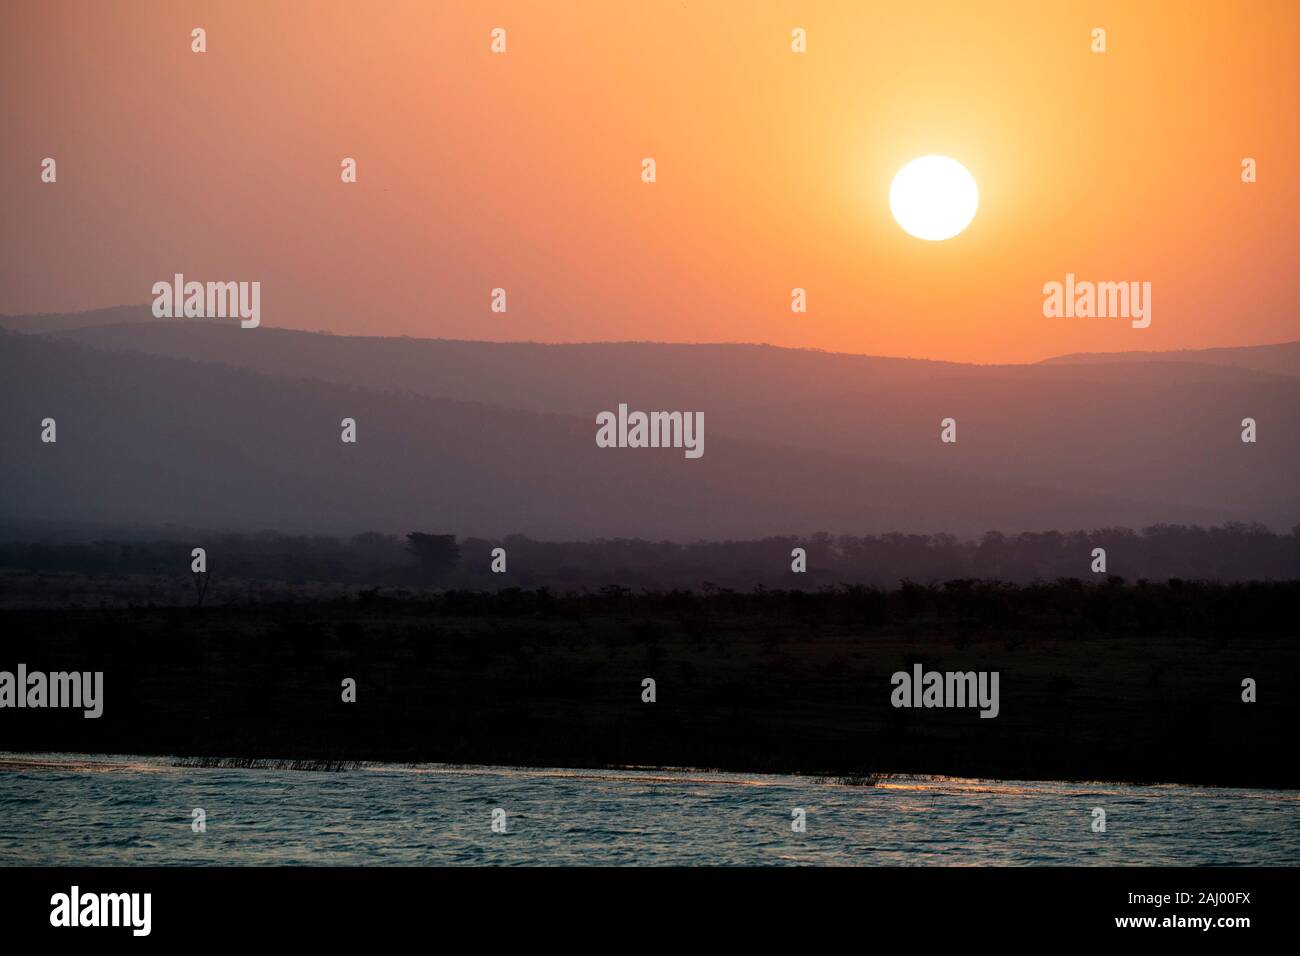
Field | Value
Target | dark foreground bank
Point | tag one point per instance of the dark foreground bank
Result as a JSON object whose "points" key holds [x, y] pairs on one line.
{"points": [[1098, 682]]}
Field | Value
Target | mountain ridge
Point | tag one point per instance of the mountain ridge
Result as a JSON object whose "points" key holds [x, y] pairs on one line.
{"points": [[206, 444]]}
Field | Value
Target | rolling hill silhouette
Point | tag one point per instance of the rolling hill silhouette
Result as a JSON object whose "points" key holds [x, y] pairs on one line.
{"points": [[202, 423]]}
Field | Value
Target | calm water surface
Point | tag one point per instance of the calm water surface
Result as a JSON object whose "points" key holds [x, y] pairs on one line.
{"points": [[64, 809]]}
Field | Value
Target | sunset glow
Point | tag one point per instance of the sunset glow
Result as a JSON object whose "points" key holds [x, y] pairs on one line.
{"points": [[479, 171]]}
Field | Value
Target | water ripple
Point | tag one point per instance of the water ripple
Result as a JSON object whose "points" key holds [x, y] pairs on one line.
{"points": [[63, 810]]}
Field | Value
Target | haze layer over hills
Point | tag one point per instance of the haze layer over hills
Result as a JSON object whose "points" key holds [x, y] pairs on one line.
{"points": [[203, 423]]}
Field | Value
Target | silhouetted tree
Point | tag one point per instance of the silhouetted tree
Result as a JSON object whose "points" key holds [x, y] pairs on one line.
{"points": [[436, 553]]}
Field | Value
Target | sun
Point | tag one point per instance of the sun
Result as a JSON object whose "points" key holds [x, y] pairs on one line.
{"points": [[933, 197]]}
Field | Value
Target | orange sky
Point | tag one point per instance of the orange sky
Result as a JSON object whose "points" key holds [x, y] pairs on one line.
{"points": [[523, 170]]}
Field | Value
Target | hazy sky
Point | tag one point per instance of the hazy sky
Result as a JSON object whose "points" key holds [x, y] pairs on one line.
{"points": [[522, 170]]}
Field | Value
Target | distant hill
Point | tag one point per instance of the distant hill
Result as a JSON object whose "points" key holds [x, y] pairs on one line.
{"points": [[42, 322], [1148, 430], [149, 439], [1280, 359], [534, 376]]}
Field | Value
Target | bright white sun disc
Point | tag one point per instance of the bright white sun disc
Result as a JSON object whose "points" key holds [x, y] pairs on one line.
{"points": [[934, 197]]}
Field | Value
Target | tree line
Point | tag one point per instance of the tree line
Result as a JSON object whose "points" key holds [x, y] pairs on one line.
{"points": [[1232, 552]]}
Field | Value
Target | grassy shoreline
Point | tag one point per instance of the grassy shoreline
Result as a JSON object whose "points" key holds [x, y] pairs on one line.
{"points": [[1134, 683]]}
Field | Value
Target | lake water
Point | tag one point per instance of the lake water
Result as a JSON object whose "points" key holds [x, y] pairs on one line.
{"points": [[67, 809]]}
